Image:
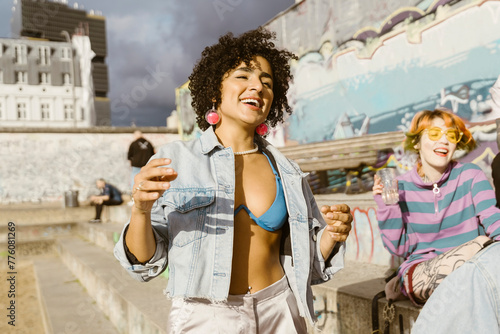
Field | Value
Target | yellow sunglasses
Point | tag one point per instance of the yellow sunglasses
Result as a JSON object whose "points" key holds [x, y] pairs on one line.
{"points": [[453, 135]]}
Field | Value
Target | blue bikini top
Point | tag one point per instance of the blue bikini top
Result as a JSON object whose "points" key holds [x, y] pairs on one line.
{"points": [[275, 217]]}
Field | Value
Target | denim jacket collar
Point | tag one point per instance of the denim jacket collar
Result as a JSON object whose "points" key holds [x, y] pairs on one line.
{"points": [[208, 141]]}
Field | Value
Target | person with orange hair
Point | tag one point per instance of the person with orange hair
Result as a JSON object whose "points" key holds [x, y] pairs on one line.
{"points": [[446, 211]]}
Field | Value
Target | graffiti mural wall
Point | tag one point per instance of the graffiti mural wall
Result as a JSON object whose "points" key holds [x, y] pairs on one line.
{"points": [[373, 76]]}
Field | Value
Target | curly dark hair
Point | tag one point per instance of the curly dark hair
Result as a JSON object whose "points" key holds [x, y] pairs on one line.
{"points": [[206, 80]]}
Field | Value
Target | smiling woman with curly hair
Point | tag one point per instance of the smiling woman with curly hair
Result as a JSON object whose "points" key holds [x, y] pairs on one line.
{"points": [[231, 216], [217, 60]]}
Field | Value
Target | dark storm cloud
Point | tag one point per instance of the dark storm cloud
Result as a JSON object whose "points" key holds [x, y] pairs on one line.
{"points": [[153, 45]]}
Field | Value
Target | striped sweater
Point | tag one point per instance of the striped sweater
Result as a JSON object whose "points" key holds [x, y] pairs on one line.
{"points": [[425, 224]]}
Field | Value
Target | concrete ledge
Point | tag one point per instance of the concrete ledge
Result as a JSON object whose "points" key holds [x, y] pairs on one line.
{"points": [[104, 235], [355, 309], [27, 232], [48, 213], [344, 304], [30, 248], [119, 214], [94, 129], [67, 307], [133, 307]]}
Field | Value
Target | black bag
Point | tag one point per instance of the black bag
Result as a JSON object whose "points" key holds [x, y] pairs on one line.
{"points": [[388, 313]]}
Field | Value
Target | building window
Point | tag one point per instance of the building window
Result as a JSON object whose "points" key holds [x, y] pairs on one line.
{"points": [[44, 55], [45, 111], [21, 77], [66, 79], [21, 111], [82, 114], [1, 76], [44, 78], [21, 54], [68, 112], [65, 53]]}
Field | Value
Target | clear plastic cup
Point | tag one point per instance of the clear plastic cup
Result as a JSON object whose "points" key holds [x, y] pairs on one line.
{"points": [[390, 193]]}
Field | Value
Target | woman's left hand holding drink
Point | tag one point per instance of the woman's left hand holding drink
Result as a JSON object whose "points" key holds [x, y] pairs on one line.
{"points": [[149, 184]]}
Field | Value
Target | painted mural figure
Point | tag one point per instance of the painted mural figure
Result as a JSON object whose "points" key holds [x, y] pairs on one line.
{"points": [[233, 219], [446, 211]]}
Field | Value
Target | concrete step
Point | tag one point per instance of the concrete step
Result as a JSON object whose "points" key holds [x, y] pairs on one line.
{"points": [[44, 213], [104, 235], [20, 298], [35, 239], [25, 249], [67, 306], [133, 307], [47, 213], [48, 230], [344, 304]]}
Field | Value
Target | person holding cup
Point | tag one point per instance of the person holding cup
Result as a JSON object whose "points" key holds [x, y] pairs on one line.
{"points": [[446, 210], [234, 220]]}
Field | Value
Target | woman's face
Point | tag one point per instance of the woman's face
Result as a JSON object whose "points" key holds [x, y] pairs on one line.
{"points": [[247, 93], [436, 154]]}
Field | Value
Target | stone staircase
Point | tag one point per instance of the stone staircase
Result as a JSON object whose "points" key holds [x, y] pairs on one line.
{"points": [[83, 289]]}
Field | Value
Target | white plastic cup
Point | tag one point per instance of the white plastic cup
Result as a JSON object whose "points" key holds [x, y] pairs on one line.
{"points": [[390, 193]]}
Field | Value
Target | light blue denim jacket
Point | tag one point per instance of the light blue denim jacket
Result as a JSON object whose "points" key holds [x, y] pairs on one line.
{"points": [[467, 300], [193, 225]]}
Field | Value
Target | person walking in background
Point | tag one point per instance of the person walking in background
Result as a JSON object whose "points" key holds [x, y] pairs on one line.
{"points": [[109, 195], [139, 153], [234, 220], [446, 211]]}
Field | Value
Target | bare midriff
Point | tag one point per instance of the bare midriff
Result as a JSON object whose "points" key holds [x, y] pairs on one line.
{"points": [[256, 257], [256, 251]]}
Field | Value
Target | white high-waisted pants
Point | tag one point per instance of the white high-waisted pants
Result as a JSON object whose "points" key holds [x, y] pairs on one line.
{"points": [[272, 310]]}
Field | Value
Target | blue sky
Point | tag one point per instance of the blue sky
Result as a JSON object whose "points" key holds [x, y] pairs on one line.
{"points": [[160, 39]]}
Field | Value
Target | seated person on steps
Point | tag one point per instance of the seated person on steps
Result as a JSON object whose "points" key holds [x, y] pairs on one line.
{"points": [[109, 195]]}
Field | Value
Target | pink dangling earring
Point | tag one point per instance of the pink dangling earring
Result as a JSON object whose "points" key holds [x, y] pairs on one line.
{"points": [[211, 116], [262, 129]]}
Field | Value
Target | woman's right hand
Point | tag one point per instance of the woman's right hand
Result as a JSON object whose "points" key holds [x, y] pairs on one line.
{"points": [[151, 182], [378, 187]]}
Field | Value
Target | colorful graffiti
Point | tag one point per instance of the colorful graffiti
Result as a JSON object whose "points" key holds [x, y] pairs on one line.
{"points": [[364, 243], [416, 59], [369, 66]]}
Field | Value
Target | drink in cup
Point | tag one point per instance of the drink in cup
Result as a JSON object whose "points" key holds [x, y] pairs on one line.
{"points": [[390, 193]]}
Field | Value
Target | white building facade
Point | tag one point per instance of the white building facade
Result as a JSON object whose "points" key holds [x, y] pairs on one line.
{"points": [[46, 84]]}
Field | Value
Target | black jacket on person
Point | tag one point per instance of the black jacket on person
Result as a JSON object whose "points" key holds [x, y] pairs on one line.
{"points": [[495, 173], [139, 152]]}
